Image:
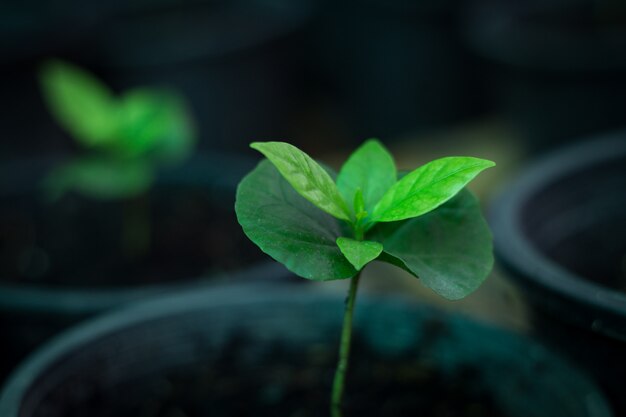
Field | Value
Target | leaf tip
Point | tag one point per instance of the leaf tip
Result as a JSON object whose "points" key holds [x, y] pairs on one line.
{"points": [[256, 145], [55, 70], [373, 140], [264, 147], [50, 65]]}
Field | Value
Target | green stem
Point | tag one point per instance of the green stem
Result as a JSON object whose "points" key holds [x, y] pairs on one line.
{"points": [[344, 350]]}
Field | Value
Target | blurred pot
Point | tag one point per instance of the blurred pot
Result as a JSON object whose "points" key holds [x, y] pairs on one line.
{"points": [[61, 262], [560, 230], [560, 70], [142, 356], [233, 60], [397, 66]]}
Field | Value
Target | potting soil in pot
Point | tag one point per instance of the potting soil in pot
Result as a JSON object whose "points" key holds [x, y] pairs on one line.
{"points": [[62, 261], [242, 380], [269, 350]]}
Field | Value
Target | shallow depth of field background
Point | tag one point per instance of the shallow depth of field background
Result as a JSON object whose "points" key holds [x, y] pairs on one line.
{"points": [[525, 76], [503, 80]]}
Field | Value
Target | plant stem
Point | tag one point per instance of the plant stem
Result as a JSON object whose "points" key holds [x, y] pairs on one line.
{"points": [[344, 350]]}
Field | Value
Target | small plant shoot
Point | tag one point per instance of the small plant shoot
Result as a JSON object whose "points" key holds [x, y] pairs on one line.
{"points": [[323, 226], [125, 136]]}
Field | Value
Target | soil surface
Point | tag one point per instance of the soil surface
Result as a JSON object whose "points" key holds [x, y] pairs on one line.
{"points": [[280, 382]]}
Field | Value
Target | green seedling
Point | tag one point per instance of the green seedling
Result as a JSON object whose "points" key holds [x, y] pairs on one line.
{"points": [[125, 139], [323, 226]]}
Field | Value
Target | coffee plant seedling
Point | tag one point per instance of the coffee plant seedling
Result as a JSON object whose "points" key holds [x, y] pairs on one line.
{"points": [[322, 228], [124, 137]]}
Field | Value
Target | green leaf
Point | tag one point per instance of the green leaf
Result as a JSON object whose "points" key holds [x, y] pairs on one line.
{"points": [[154, 122], [449, 249], [359, 252], [359, 202], [180, 140], [427, 188], [371, 169], [99, 178], [288, 227], [306, 176], [81, 103]]}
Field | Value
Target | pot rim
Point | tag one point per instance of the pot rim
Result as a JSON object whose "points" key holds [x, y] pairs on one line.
{"points": [[74, 301], [250, 294], [71, 301], [515, 249], [17, 384]]}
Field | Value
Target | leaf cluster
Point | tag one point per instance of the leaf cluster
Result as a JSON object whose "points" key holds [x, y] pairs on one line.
{"points": [[125, 136], [323, 229]]}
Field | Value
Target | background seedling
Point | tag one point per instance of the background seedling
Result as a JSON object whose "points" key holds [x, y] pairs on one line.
{"points": [[125, 138]]}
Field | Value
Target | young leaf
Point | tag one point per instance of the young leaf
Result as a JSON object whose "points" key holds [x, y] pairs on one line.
{"points": [[359, 252], [153, 122], [81, 103], [370, 168], [180, 138], [427, 188], [449, 249], [143, 122], [306, 176], [289, 228]]}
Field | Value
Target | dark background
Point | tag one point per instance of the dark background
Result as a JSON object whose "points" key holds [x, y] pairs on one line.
{"points": [[325, 75]]}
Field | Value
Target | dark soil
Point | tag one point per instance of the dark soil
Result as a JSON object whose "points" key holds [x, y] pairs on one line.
{"points": [[281, 382], [171, 234]]}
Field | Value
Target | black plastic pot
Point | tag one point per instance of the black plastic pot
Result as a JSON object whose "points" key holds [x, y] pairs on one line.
{"points": [[398, 66], [560, 231], [233, 61], [64, 261], [109, 364], [560, 70]]}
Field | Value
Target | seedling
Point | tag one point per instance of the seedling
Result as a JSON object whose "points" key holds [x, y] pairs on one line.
{"points": [[424, 222], [125, 139]]}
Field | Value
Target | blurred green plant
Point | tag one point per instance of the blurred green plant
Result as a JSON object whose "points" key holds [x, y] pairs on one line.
{"points": [[126, 137], [424, 222]]}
